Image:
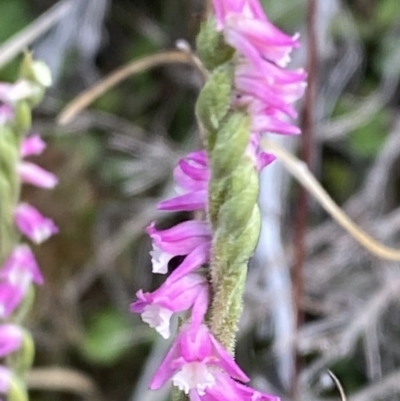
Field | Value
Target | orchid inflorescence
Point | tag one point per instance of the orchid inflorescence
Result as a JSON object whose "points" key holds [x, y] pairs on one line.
{"points": [[249, 92], [19, 267]]}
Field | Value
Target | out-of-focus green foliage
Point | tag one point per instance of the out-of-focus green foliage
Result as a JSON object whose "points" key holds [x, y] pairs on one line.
{"points": [[366, 141], [107, 337], [14, 16]]}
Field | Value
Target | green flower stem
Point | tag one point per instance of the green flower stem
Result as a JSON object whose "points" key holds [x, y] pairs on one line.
{"points": [[233, 187], [9, 190], [17, 391]]}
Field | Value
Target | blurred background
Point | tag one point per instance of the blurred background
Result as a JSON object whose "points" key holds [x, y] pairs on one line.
{"points": [[115, 162]]}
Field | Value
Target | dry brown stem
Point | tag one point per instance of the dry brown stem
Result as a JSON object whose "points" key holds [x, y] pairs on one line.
{"points": [[137, 66], [63, 379], [300, 171]]}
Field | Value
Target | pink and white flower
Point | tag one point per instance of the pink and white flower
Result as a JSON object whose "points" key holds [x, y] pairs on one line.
{"points": [[259, 40], [181, 239], [33, 224], [194, 362], [157, 308], [191, 175], [16, 276]]}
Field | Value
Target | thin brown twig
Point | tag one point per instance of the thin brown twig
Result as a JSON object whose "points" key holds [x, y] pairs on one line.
{"points": [[137, 66], [307, 154], [184, 46], [63, 379]]}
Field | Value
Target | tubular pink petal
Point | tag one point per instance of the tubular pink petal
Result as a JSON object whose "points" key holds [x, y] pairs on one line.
{"points": [[262, 33], [194, 260], [256, 10], [199, 309], [32, 145], [11, 337], [180, 231], [193, 361], [11, 295], [265, 123], [32, 174], [188, 202], [271, 96], [157, 307], [225, 7], [33, 224], [182, 238], [21, 263], [192, 173], [166, 370], [226, 362]]}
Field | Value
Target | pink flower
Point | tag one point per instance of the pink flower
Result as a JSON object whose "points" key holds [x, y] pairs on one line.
{"points": [[259, 40], [271, 93], [188, 202], [274, 86], [225, 8], [157, 308], [32, 174], [273, 121], [16, 276], [191, 175], [262, 86], [21, 262], [195, 259], [11, 337], [192, 172], [194, 362], [33, 224], [32, 145], [181, 239]]}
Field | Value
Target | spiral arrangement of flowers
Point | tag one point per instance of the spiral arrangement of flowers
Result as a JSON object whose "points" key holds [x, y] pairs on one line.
{"points": [[19, 268], [249, 92]]}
